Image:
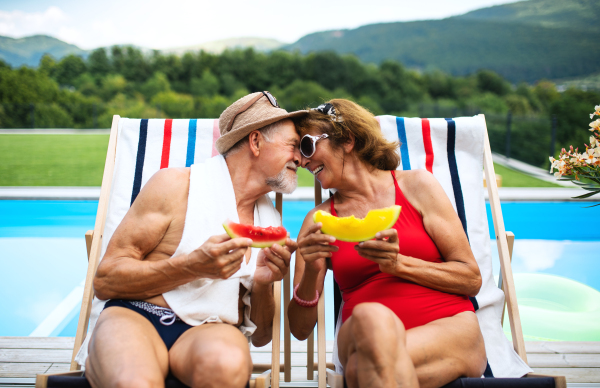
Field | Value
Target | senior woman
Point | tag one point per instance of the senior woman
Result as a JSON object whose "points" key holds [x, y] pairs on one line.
{"points": [[407, 319]]}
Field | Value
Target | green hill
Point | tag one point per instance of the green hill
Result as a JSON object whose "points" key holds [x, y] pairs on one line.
{"points": [[570, 14], [28, 51], [514, 40]]}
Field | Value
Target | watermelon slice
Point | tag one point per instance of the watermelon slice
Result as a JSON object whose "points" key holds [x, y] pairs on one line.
{"points": [[261, 237]]}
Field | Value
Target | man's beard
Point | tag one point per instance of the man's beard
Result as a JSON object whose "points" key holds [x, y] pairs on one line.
{"points": [[283, 182]]}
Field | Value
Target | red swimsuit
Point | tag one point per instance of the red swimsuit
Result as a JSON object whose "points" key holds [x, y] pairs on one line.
{"points": [[360, 279]]}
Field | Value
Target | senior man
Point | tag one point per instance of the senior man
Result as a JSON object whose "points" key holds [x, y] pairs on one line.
{"points": [[184, 297]]}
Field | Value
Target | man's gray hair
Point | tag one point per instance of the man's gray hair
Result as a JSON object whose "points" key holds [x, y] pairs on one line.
{"points": [[268, 133]]}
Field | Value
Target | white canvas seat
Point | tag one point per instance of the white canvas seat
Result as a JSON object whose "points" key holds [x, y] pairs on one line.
{"points": [[457, 152], [137, 149]]}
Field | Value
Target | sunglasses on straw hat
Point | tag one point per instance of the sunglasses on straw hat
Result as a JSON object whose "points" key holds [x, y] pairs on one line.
{"points": [[246, 106]]}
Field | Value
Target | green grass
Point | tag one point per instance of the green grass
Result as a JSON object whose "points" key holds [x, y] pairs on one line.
{"points": [[52, 160], [305, 178], [513, 178], [78, 160]]}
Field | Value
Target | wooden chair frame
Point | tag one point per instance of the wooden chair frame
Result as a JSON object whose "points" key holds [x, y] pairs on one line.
{"points": [[505, 242], [94, 247]]}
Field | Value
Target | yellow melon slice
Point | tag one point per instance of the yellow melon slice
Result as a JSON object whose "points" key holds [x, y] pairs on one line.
{"points": [[353, 229]]}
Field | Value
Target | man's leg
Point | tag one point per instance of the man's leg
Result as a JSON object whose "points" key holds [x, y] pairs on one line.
{"points": [[440, 351], [211, 355], [126, 351]]}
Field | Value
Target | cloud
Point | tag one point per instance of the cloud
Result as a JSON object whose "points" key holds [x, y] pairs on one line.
{"points": [[18, 23]]}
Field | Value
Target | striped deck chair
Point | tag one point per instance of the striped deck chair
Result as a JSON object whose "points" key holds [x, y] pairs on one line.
{"points": [[457, 151], [136, 150]]}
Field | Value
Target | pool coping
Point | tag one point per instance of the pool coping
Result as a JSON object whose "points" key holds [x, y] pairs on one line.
{"points": [[516, 194]]}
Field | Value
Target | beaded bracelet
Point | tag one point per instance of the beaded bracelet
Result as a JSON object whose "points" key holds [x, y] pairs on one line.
{"points": [[305, 303]]}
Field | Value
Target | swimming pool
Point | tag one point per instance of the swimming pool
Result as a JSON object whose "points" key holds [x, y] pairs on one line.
{"points": [[43, 261]]}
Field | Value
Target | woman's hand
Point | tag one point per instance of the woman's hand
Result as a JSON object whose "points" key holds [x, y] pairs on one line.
{"points": [[315, 247], [384, 250]]}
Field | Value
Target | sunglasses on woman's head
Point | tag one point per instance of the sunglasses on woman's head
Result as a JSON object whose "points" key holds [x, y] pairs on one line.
{"points": [[308, 144]]}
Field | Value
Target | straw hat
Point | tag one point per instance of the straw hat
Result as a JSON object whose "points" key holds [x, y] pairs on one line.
{"points": [[258, 115]]}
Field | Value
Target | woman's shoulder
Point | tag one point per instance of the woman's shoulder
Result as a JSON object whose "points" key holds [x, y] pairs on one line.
{"points": [[419, 187], [415, 178]]}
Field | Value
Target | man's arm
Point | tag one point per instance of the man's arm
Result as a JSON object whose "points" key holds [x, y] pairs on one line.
{"points": [[123, 272]]}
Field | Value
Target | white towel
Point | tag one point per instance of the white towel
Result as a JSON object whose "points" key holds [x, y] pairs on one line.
{"points": [[211, 201]]}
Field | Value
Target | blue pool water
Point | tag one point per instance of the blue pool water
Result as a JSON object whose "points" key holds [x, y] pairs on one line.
{"points": [[43, 258]]}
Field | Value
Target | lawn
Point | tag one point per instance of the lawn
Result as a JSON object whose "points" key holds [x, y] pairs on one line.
{"points": [[513, 178], [78, 160]]}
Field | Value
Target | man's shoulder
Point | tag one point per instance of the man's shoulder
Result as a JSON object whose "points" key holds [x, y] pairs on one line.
{"points": [[166, 185]]}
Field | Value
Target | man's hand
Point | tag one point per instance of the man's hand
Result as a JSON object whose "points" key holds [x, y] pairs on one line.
{"points": [[273, 263], [219, 257]]}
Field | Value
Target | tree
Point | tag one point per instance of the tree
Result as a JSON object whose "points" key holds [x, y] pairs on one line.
{"points": [[68, 69], [207, 85], [174, 105], [98, 63], [489, 81], [157, 84]]}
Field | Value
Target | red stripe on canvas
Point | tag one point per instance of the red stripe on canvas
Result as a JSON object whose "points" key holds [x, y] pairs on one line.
{"points": [[427, 145], [166, 150], [216, 135]]}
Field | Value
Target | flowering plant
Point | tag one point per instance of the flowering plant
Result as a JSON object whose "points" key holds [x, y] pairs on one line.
{"points": [[574, 166]]}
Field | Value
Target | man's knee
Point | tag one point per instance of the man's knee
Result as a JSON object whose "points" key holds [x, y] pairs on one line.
{"points": [[221, 360]]}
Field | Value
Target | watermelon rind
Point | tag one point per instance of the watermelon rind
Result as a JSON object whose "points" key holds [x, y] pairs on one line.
{"points": [[363, 237], [263, 244]]}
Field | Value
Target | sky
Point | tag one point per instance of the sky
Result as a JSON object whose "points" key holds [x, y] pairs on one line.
{"points": [[175, 23]]}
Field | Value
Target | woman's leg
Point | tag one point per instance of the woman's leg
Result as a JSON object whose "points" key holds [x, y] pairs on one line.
{"points": [[372, 349], [446, 349], [374, 338]]}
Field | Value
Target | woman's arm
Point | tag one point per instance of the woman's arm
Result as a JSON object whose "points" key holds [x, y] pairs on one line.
{"points": [[459, 273], [313, 249]]}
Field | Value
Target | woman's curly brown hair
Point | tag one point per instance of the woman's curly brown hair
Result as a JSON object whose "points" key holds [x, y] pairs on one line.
{"points": [[369, 144]]}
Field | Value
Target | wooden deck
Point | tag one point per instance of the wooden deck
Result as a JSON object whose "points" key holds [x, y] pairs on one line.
{"points": [[21, 358]]}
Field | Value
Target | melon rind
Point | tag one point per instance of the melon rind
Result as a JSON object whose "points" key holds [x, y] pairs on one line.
{"points": [[352, 229], [266, 244]]}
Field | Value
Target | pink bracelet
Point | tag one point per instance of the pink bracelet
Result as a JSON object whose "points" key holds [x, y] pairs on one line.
{"points": [[305, 303]]}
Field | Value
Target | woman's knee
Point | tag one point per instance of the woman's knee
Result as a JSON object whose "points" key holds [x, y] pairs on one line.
{"points": [[476, 359], [222, 363], [370, 319], [474, 355], [374, 315], [351, 371]]}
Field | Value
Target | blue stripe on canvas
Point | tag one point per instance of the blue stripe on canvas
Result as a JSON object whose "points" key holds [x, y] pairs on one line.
{"points": [[456, 187], [139, 162], [191, 145], [403, 144]]}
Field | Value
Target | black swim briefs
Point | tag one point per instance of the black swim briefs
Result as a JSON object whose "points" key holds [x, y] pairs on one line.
{"points": [[168, 325]]}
